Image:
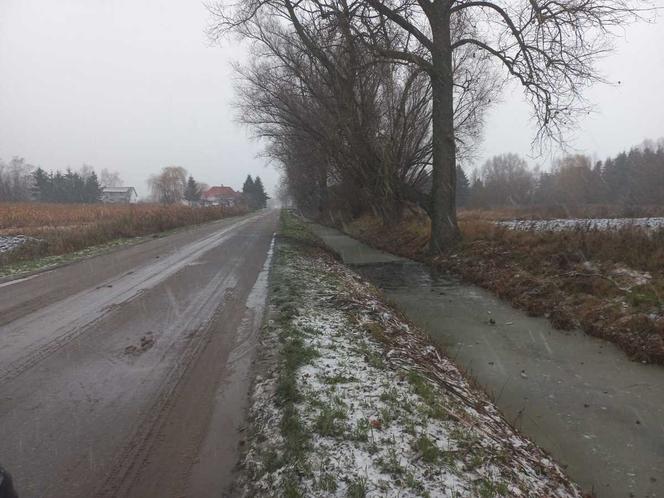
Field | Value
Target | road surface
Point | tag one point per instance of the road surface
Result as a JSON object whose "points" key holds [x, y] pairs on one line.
{"points": [[127, 374]]}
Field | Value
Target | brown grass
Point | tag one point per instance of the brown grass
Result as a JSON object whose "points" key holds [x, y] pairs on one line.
{"points": [[64, 228], [628, 246], [573, 277]]}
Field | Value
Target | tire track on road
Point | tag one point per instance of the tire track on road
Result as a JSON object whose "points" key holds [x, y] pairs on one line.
{"points": [[46, 331], [222, 308]]}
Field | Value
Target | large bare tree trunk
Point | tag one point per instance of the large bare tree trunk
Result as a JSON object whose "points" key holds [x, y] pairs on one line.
{"points": [[444, 228]]}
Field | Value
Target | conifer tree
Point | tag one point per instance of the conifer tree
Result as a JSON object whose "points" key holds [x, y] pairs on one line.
{"points": [[249, 192], [92, 189], [462, 187], [192, 191], [41, 186], [259, 193]]}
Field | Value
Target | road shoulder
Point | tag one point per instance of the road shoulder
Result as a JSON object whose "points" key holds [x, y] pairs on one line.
{"points": [[352, 400]]}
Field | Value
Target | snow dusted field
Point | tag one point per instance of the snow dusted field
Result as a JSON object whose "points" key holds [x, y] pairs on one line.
{"points": [[370, 408], [560, 224], [11, 242]]}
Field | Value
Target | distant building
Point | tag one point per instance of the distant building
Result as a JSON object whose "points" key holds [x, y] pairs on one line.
{"points": [[119, 195], [221, 196]]}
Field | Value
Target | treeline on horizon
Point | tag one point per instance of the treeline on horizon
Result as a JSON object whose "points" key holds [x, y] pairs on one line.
{"points": [[23, 182], [70, 187], [20, 181], [633, 178], [370, 107]]}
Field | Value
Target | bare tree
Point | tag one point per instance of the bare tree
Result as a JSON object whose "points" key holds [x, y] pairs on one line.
{"points": [[15, 180], [549, 46], [85, 171], [168, 187], [576, 181], [110, 178], [507, 181], [367, 119]]}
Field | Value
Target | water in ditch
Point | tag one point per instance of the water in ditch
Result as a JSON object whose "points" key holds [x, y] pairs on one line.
{"points": [[598, 413]]}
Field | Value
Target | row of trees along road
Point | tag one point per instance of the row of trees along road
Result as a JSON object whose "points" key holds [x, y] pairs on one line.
{"points": [[370, 103]]}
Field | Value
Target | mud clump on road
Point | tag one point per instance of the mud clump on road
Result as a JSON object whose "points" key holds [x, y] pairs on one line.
{"points": [[146, 342]]}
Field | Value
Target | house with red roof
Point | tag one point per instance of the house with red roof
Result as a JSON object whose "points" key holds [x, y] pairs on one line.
{"points": [[221, 196]]}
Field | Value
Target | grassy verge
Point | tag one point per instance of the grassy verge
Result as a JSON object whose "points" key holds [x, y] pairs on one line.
{"points": [[610, 284], [350, 400]]}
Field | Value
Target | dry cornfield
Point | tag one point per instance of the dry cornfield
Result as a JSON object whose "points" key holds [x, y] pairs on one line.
{"points": [[63, 228], [25, 217]]}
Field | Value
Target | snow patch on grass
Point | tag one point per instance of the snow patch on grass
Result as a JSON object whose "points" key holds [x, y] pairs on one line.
{"points": [[12, 242], [374, 409], [601, 224], [629, 278]]}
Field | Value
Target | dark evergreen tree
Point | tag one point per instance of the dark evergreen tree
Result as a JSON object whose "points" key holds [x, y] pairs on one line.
{"points": [[259, 193], [248, 186], [477, 194], [41, 186], [249, 192], [545, 189], [68, 188], [73, 187], [58, 190], [92, 189], [462, 187], [616, 177], [192, 191]]}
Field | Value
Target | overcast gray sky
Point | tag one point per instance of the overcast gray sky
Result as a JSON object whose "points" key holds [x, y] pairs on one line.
{"points": [[129, 85], [627, 112], [133, 85]]}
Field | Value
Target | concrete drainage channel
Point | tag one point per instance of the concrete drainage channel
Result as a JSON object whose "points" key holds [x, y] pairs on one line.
{"points": [[598, 413]]}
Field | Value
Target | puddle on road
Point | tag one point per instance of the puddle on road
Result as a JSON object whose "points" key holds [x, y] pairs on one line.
{"points": [[599, 414]]}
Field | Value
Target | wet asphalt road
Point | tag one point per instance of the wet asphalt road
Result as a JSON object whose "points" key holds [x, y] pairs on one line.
{"points": [[127, 374]]}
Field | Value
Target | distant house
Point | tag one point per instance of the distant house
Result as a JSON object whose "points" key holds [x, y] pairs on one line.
{"points": [[221, 196], [119, 195]]}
